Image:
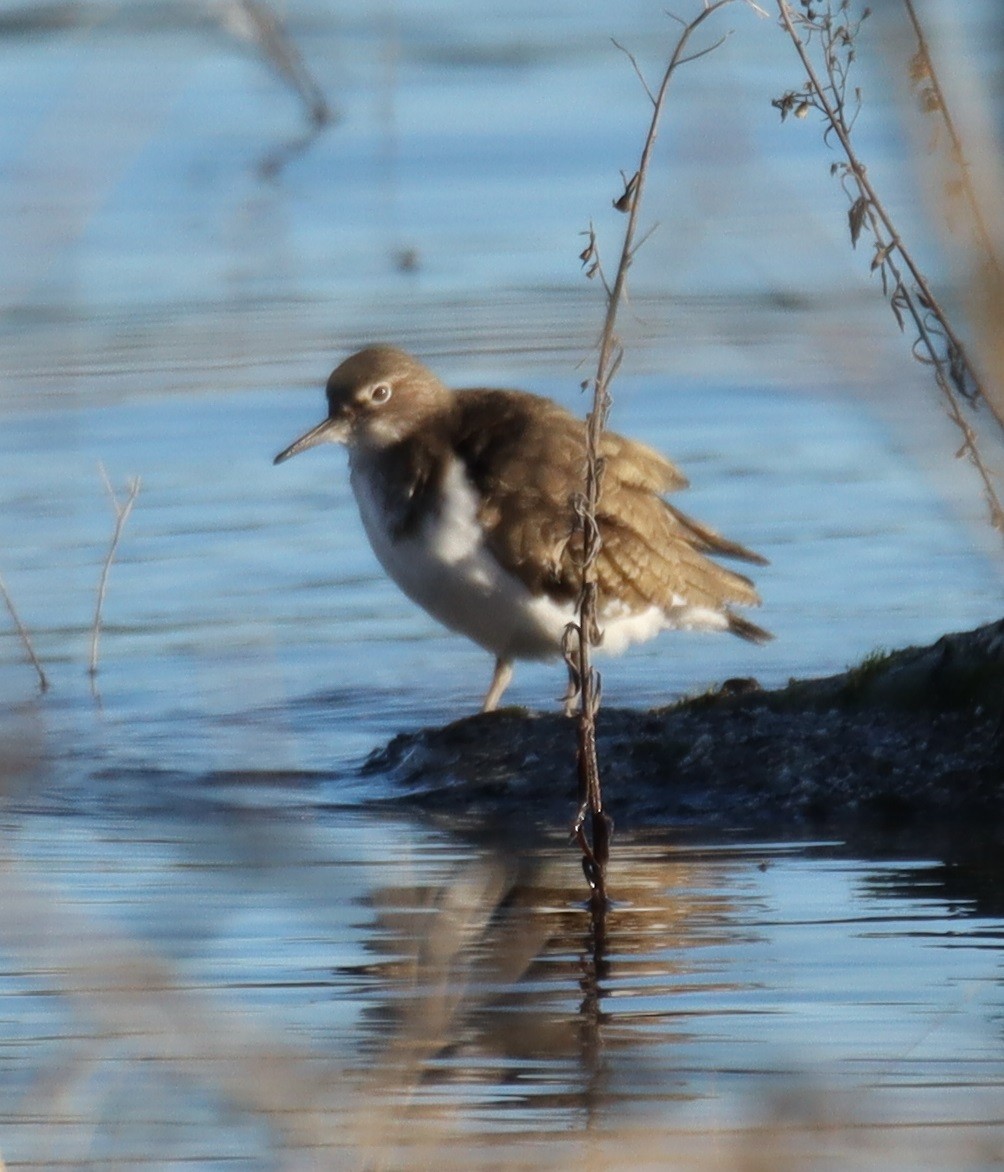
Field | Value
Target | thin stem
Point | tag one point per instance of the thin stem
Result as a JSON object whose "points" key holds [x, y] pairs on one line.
{"points": [[859, 173], [969, 447], [958, 154], [254, 20], [595, 846], [954, 373], [22, 630], [122, 512]]}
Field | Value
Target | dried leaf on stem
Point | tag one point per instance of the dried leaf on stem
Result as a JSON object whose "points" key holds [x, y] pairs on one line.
{"points": [[826, 32]]}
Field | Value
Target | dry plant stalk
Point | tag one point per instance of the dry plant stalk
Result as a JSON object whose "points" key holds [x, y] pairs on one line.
{"points": [[122, 512], [966, 197], [830, 26], [22, 630], [254, 21], [580, 637], [924, 78]]}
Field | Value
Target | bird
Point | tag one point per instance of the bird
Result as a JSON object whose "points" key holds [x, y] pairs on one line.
{"points": [[468, 498]]}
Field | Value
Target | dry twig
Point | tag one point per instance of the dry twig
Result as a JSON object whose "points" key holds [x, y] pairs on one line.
{"points": [[924, 78], [254, 21], [583, 635], [971, 187], [122, 512], [22, 630], [831, 27]]}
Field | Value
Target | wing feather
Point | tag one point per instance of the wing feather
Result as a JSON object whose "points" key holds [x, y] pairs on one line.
{"points": [[522, 452]]}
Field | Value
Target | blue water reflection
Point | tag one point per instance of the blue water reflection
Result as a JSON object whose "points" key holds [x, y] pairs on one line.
{"points": [[208, 952]]}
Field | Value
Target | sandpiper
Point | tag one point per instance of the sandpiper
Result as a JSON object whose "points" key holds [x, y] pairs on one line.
{"points": [[467, 499]]}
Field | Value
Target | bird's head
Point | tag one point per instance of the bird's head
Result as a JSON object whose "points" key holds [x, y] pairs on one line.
{"points": [[376, 398]]}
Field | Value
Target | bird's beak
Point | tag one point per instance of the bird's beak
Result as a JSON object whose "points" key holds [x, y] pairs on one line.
{"points": [[331, 431]]}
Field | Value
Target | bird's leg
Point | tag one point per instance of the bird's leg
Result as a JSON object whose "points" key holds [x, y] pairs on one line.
{"points": [[500, 681]]}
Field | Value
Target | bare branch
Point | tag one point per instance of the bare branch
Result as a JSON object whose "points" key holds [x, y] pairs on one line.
{"points": [[637, 69], [704, 52], [937, 342], [924, 74], [585, 632], [122, 512], [43, 681], [254, 21]]}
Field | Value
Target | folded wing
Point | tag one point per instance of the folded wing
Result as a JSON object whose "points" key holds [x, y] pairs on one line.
{"points": [[652, 553]]}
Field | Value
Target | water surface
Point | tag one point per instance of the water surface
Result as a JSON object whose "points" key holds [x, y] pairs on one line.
{"points": [[212, 951]]}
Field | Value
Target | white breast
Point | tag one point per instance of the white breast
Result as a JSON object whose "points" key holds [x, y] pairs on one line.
{"points": [[446, 568]]}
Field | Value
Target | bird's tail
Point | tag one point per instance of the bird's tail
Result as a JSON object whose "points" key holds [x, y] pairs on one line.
{"points": [[709, 540], [747, 630]]}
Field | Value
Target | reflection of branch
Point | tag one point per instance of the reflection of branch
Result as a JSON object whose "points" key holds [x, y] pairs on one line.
{"points": [[43, 681], [452, 973], [910, 296], [581, 636], [122, 512]]}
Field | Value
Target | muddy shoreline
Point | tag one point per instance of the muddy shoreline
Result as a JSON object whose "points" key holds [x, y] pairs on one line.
{"points": [[910, 741]]}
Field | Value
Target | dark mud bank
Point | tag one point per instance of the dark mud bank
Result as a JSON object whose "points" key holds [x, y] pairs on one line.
{"points": [[910, 739]]}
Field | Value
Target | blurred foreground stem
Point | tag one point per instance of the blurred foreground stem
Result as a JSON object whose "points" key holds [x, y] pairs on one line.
{"points": [[832, 27]]}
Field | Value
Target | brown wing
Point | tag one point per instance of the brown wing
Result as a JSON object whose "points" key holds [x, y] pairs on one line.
{"points": [[524, 452], [709, 540]]}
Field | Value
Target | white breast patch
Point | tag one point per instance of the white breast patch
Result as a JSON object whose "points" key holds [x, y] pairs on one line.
{"points": [[446, 568]]}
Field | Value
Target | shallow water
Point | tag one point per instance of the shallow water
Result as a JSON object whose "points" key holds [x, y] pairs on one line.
{"points": [[241, 984], [212, 951]]}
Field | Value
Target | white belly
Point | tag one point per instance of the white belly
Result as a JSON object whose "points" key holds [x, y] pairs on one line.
{"points": [[447, 569]]}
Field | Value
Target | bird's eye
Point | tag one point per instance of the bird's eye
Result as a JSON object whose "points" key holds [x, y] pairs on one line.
{"points": [[380, 393]]}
